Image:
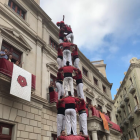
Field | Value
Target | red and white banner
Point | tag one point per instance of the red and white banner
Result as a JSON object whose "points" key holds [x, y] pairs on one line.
{"points": [[21, 83]]}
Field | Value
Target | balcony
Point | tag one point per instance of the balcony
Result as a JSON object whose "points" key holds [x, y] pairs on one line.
{"points": [[137, 109], [130, 116], [126, 121], [126, 98], [122, 104], [6, 70], [132, 89], [118, 110]]}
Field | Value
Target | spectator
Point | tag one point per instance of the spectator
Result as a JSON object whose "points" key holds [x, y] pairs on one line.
{"points": [[4, 54], [62, 134], [51, 87], [82, 134], [18, 63], [10, 57]]}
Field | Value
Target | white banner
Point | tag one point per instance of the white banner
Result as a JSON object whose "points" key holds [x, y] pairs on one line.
{"points": [[21, 83]]}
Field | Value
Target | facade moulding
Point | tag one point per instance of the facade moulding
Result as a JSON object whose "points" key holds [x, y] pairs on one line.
{"points": [[89, 93], [108, 106], [22, 27], [94, 69], [131, 67], [16, 39]]}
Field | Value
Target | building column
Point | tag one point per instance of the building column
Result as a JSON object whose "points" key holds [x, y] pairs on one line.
{"points": [[0, 40], [38, 68], [94, 135], [108, 137], [39, 26]]}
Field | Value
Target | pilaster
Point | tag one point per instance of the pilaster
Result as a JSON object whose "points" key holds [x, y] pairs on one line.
{"points": [[39, 26], [94, 135], [108, 137], [0, 40], [38, 68]]}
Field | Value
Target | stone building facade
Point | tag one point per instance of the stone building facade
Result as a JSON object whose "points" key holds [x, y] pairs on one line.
{"points": [[127, 102], [31, 35]]}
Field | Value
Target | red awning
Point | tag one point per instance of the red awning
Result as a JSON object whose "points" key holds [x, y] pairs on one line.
{"points": [[6, 67]]}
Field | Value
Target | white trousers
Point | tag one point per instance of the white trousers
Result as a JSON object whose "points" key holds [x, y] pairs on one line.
{"points": [[83, 123], [67, 57], [60, 89], [76, 63], [59, 62], [71, 121], [60, 41], [71, 36], [80, 92], [60, 123], [68, 82]]}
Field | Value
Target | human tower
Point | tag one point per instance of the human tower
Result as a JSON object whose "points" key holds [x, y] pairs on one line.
{"points": [[68, 104]]}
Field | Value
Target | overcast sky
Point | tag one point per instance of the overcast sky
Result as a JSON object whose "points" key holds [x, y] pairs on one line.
{"points": [[103, 29]]}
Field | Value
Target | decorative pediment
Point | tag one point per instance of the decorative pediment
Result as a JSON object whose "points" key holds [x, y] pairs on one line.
{"points": [[52, 65], [11, 35], [89, 92], [108, 105], [100, 100]]}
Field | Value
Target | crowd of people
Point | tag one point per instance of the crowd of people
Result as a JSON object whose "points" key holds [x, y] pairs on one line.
{"points": [[8, 56]]}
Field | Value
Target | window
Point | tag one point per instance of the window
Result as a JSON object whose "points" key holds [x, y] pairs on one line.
{"points": [[16, 55], [136, 100], [109, 114], [17, 9], [54, 137], [104, 89], [120, 117], [53, 44], [129, 108], [85, 72], [53, 79], [5, 131], [124, 114], [100, 107], [75, 93], [95, 81], [131, 80], [88, 100]]}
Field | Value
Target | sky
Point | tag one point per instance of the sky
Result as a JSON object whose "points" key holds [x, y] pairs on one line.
{"points": [[106, 30]]}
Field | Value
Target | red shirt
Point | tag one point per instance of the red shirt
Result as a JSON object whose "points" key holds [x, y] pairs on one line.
{"points": [[68, 29], [78, 76], [59, 52], [61, 33], [75, 52], [69, 100], [68, 69], [66, 45], [60, 104], [81, 106], [59, 76]]}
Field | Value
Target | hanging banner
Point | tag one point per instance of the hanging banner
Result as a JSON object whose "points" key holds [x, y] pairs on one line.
{"points": [[21, 83]]}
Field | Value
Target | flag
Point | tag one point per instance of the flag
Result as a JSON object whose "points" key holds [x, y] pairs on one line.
{"points": [[105, 123], [21, 83]]}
